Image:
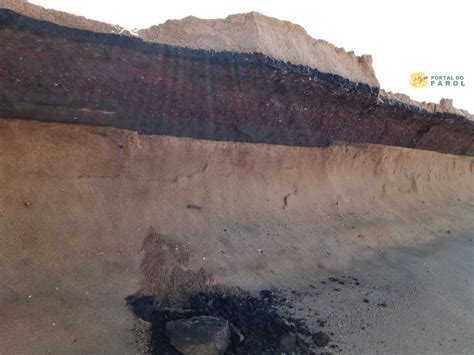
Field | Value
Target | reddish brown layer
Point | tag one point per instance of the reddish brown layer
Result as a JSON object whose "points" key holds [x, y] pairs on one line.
{"points": [[82, 77]]}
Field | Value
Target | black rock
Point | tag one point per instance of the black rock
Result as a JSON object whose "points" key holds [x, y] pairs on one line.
{"points": [[321, 339], [255, 325], [199, 335]]}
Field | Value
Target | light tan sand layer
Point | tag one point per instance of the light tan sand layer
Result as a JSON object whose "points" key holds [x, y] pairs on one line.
{"points": [[77, 203], [256, 33], [287, 201], [444, 105]]}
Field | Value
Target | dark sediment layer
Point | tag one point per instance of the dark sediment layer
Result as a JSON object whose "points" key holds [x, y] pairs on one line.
{"points": [[54, 73]]}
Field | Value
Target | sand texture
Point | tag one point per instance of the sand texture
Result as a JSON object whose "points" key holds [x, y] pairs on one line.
{"points": [[78, 204]]}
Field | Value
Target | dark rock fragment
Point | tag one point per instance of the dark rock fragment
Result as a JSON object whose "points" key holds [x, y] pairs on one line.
{"points": [[321, 339], [199, 335]]}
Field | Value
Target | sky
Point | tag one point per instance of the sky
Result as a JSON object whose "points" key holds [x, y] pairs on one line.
{"points": [[403, 37]]}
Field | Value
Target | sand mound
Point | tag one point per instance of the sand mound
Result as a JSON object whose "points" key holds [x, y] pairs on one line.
{"points": [[256, 33]]}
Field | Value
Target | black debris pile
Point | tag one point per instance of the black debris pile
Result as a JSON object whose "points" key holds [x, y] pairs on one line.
{"points": [[254, 323]]}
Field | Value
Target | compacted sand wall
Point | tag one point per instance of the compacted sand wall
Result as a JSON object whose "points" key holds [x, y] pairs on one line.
{"points": [[256, 213]]}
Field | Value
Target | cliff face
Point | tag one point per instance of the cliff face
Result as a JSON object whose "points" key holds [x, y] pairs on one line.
{"points": [[72, 75], [105, 138]]}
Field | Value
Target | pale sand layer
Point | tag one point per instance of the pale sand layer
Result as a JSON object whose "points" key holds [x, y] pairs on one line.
{"points": [[290, 202], [77, 203], [444, 105], [75, 208], [256, 33]]}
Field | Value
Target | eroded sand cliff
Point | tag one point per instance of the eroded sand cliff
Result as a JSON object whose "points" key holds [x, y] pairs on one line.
{"points": [[209, 168]]}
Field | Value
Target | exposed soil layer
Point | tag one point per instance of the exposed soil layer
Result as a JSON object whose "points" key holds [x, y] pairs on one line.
{"points": [[77, 202], [54, 73]]}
